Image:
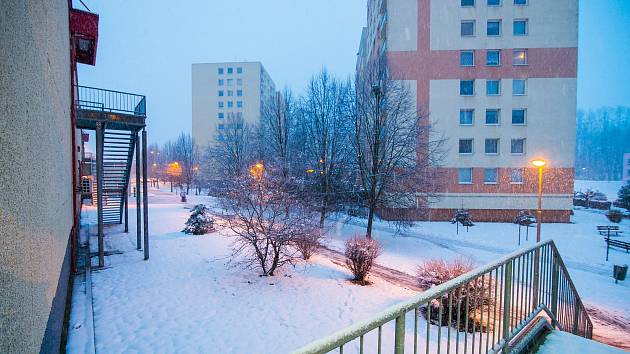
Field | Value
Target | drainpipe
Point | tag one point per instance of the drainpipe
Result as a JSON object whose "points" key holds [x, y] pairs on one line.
{"points": [[73, 233]]}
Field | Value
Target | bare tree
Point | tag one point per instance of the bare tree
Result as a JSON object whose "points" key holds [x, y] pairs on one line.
{"points": [[277, 123], [265, 235], [233, 151], [187, 154], [327, 128], [396, 154]]}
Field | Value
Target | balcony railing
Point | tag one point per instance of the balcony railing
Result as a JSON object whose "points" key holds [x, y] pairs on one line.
{"points": [[478, 312], [96, 99]]}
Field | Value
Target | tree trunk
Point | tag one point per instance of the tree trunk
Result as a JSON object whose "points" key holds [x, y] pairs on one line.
{"points": [[368, 232]]}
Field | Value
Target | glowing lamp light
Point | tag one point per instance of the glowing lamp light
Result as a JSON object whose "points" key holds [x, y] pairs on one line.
{"points": [[539, 163], [310, 170]]}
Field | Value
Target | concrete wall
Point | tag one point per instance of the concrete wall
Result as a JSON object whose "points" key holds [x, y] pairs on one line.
{"points": [[35, 173]]}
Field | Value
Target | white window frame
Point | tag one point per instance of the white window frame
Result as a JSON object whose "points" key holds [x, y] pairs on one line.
{"points": [[472, 110], [473, 58], [473, 88], [524, 116], [496, 181], [500, 28], [498, 110], [498, 52], [524, 87], [524, 146], [474, 28], [526, 27], [498, 140], [498, 91], [459, 181], [472, 146], [524, 50]]}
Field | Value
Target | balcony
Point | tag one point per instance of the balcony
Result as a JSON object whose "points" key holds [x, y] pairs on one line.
{"points": [[118, 110]]}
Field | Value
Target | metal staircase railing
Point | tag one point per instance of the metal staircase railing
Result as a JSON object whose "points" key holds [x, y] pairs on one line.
{"points": [[97, 99], [482, 311]]}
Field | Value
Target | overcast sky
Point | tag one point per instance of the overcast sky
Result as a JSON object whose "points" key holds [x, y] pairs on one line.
{"points": [[147, 47]]}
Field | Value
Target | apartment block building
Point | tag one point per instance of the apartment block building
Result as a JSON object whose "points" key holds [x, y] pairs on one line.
{"points": [[498, 79], [227, 94]]}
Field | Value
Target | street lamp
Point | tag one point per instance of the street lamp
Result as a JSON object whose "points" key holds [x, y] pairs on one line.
{"points": [[540, 163]]}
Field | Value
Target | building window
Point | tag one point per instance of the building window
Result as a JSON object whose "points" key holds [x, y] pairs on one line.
{"points": [[239, 70], [230, 104], [230, 70], [516, 176], [239, 82], [467, 58], [230, 93], [220, 93], [465, 146], [239, 104], [467, 3], [467, 28], [490, 175], [220, 82], [467, 87], [220, 71], [519, 27], [493, 28], [520, 2], [519, 87], [494, 2], [230, 82], [493, 57], [221, 115], [220, 104], [464, 176], [493, 87], [239, 115], [466, 116], [519, 57], [239, 93], [492, 116], [517, 146], [518, 116], [230, 115], [492, 147], [221, 126]]}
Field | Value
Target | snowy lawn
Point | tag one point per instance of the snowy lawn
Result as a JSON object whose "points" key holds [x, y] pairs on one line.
{"points": [[185, 298], [609, 188]]}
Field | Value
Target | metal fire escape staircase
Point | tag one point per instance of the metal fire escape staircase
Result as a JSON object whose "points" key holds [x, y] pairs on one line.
{"points": [[118, 119]]}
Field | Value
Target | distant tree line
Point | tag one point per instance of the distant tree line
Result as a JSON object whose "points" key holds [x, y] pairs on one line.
{"points": [[602, 137]]}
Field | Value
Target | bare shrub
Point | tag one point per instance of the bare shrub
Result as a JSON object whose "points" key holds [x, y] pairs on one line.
{"points": [[309, 242], [360, 255], [470, 298]]}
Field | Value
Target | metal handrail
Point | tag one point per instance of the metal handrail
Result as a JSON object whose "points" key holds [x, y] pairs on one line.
{"points": [[495, 301], [97, 99]]}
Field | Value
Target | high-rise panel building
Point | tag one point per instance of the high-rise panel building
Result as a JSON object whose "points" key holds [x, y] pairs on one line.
{"points": [[498, 79], [227, 93]]}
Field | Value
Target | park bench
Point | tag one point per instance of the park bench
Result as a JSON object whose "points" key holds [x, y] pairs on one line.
{"points": [[609, 230], [618, 244]]}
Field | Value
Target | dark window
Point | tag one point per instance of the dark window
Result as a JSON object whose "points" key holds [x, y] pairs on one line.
{"points": [[520, 2], [468, 2], [494, 28], [493, 57], [518, 116], [467, 58], [493, 87], [465, 146], [468, 28], [239, 70], [520, 27], [490, 175], [230, 70], [467, 87], [464, 175], [220, 71], [492, 116], [466, 116], [492, 146], [494, 2], [517, 146]]}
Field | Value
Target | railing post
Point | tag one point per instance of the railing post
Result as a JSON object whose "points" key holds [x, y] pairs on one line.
{"points": [[145, 195], [399, 335], [536, 280], [138, 208], [507, 292], [99, 191], [555, 275], [576, 318]]}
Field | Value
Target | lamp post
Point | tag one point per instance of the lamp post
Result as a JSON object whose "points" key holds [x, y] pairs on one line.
{"points": [[540, 163]]}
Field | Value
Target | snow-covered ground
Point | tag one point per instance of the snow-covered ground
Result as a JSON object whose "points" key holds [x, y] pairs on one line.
{"points": [[187, 299], [609, 188]]}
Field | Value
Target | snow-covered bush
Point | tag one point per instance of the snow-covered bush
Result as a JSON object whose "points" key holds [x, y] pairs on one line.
{"points": [[524, 218], [462, 216], [614, 215], [309, 242], [435, 272], [624, 196], [199, 222], [360, 255]]}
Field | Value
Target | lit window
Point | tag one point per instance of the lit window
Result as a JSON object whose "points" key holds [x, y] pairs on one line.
{"points": [[519, 87], [467, 58], [239, 70], [467, 28], [239, 104], [220, 71], [466, 116], [465, 176], [465, 146], [520, 2], [520, 27], [519, 57], [220, 104], [494, 28], [516, 176], [239, 93], [220, 93], [468, 2], [492, 146], [230, 82], [467, 87], [220, 82], [230, 104], [492, 116], [493, 57], [230, 70], [518, 116], [493, 87], [221, 115], [494, 2], [517, 146], [490, 175]]}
